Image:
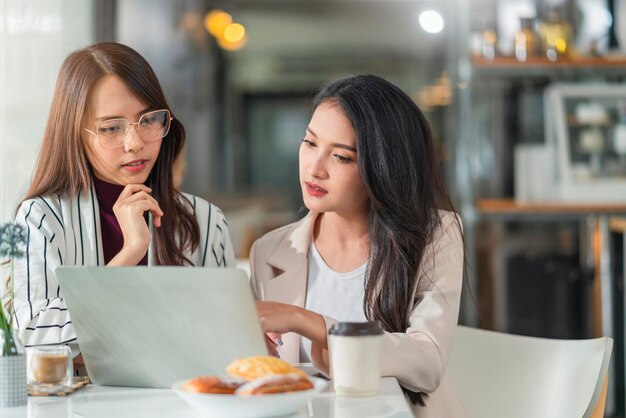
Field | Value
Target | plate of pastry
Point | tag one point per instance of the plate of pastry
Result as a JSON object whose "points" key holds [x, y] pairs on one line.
{"points": [[252, 387]]}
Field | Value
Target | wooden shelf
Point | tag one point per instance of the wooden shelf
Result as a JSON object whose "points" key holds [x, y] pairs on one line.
{"points": [[565, 62], [573, 122], [511, 207], [539, 67]]}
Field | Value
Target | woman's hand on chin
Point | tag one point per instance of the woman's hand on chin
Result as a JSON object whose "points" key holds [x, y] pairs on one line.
{"points": [[129, 210]]}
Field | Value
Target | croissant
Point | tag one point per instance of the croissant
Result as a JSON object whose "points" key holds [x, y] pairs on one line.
{"points": [[251, 368], [275, 384], [225, 385]]}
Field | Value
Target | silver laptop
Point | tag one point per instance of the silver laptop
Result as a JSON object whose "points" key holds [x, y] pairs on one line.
{"points": [[153, 326]]}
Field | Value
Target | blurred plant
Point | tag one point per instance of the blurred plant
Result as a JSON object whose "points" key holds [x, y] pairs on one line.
{"points": [[12, 243]]}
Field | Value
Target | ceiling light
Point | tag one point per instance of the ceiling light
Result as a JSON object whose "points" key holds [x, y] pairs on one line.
{"points": [[216, 21], [431, 21], [232, 46], [234, 32]]}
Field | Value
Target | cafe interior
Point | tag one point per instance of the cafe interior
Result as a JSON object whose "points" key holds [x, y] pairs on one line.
{"points": [[527, 103]]}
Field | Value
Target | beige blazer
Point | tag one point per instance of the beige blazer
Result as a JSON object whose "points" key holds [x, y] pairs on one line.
{"points": [[417, 357]]}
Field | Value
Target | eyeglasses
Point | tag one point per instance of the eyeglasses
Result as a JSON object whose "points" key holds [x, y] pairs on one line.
{"points": [[152, 126]]}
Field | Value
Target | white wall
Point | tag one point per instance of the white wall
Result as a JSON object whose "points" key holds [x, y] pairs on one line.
{"points": [[35, 37]]}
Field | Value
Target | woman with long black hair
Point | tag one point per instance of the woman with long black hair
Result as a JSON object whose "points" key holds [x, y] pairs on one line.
{"points": [[381, 240]]}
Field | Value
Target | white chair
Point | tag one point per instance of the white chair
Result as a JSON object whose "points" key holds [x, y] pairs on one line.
{"points": [[501, 375], [244, 264]]}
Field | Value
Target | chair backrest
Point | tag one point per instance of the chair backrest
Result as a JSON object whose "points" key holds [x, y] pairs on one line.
{"points": [[503, 375]]}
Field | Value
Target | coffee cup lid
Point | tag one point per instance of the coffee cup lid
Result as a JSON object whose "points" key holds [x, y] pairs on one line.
{"points": [[356, 328]]}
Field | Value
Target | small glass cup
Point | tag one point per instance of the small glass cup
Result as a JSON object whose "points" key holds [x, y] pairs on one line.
{"points": [[50, 368]]}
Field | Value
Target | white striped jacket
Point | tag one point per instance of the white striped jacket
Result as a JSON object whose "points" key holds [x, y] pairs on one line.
{"points": [[63, 231]]}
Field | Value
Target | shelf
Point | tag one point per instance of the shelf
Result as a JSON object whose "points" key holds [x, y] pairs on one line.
{"points": [[571, 62], [539, 66], [573, 122], [512, 208]]}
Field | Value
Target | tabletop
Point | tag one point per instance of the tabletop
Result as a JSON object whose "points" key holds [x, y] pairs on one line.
{"points": [[122, 402]]}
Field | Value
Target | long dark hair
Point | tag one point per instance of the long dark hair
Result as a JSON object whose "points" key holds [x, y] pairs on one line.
{"points": [[405, 185], [62, 166]]}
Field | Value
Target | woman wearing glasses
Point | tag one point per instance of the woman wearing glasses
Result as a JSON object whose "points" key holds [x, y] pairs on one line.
{"points": [[381, 242], [102, 191]]}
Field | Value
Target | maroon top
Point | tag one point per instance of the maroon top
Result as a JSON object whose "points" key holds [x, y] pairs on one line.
{"points": [[112, 237]]}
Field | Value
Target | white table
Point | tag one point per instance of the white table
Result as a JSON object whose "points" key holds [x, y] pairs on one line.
{"points": [[121, 402]]}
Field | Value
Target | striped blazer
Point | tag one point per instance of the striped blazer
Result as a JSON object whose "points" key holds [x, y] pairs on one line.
{"points": [[66, 232]]}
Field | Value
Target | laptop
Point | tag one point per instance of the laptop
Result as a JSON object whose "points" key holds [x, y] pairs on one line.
{"points": [[153, 326]]}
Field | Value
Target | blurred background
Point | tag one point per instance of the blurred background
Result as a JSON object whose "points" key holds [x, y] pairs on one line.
{"points": [[527, 100]]}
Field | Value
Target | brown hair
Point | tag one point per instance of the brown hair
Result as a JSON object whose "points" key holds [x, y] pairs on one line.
{"points": [[62, 166]]}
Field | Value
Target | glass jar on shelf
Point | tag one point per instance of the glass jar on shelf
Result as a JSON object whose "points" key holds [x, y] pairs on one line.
{"points": [[489, 44], [525, 39], [556, 37]]}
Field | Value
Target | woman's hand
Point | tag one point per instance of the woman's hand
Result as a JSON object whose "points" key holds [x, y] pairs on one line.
{"points": [[79, 366], [273, 341], [78, 362], [129, 209], [276, 317], [280, 318]]}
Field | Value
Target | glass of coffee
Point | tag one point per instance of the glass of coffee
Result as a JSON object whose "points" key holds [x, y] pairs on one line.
{"points": [[50, 368]]}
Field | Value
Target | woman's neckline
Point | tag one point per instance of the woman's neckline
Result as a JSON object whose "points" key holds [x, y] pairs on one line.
{"points": [[107, 193]]}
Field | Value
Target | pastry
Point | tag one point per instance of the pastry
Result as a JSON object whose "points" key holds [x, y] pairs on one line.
{"points": [[275, 384], [225, 385], [251, 368]]}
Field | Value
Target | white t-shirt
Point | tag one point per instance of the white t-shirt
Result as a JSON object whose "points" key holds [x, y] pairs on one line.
{"points": [[336, 295]]}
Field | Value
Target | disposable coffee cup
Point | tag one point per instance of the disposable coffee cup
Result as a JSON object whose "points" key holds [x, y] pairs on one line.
{"points": [[355, 357]]}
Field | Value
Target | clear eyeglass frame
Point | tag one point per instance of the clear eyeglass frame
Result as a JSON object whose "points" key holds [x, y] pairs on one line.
{"points": [[106, 143]]}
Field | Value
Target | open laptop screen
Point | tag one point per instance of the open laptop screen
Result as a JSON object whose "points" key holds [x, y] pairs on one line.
{"points": [[153, 326]]}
